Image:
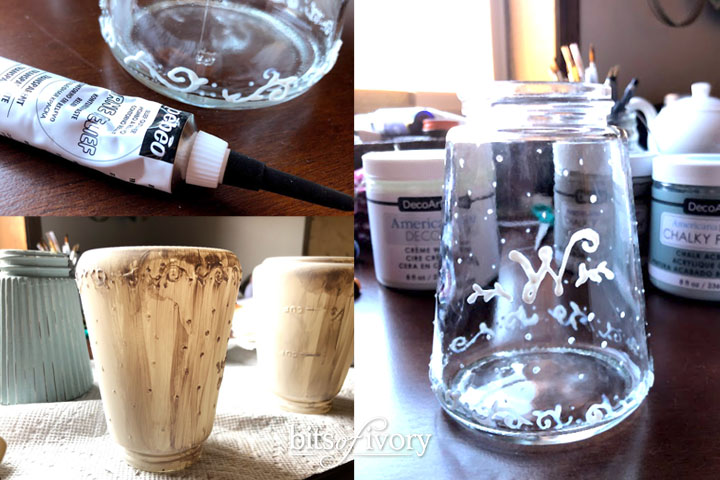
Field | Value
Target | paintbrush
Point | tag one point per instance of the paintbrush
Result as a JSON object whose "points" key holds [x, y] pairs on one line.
{"points": [[591, 73], [555, 72], [569, 65], [611, 81], [578, 61], [619, 106]]}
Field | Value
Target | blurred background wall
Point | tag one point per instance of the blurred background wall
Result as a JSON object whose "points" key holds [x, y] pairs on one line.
{"points": [[252, 239]]}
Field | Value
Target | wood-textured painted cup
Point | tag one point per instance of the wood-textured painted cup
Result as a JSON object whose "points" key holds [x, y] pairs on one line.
{"points": [[305, 332], [159, 319]]}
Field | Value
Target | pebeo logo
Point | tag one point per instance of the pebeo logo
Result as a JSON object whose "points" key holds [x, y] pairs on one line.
{"points": [[419, 204], [699, 206], [162, 138]]}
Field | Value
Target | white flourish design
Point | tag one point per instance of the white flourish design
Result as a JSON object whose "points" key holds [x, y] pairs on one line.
{"points": [[175, 75], [590, 242], [611, 333], [559, 313], [520, 316], [593, 274], [275, 89], [487, 295], [460, 344], [596, 412], [545, 418]]}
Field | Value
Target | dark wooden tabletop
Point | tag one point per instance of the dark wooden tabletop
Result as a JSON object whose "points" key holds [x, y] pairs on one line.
{"points": [[674, 434], [310, 136]]}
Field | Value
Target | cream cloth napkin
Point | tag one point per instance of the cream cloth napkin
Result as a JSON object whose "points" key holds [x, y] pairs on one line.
{"points": [[251, 437]]}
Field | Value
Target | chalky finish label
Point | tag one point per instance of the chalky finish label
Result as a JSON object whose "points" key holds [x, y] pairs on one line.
{"points": [[685, 242]]}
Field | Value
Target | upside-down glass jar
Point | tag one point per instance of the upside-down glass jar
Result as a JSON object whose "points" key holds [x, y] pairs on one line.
{"points": [[230, 54], [540, 318]]}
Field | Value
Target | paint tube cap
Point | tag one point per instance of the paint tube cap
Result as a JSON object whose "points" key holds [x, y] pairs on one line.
{"points": [[207, 162]]}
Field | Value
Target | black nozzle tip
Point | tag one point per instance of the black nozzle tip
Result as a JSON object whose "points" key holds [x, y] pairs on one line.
{"points": [[245, 172]]}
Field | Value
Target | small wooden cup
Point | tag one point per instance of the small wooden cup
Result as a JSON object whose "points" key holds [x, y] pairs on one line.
{"points": [[305, 331], [159, 319]]}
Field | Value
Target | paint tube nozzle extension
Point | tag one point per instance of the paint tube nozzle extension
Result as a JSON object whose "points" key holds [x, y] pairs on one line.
{"points": [[133, 139], [211, 162]]}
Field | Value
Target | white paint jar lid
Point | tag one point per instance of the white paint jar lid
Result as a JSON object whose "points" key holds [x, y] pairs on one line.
{"points": [[641, 164], [405, 165], [701, 170]]}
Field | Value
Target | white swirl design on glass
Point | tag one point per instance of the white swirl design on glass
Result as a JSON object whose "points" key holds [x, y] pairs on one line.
{"points": [[593, 274], [460, 344], [545, 418], [179, 75], [275, 89], [487, 295], [590, 242], [559, 313], [596, 412]]}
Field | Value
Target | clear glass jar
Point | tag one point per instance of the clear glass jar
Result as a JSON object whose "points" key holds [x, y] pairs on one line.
{"points": [[231, 54], [540, 319]]}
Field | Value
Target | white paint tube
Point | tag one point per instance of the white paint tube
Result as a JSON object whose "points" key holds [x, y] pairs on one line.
{"points": [[133, 139]]}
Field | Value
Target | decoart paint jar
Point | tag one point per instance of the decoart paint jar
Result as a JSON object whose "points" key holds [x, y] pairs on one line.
{"points": [[685, 225], [404, 195]]}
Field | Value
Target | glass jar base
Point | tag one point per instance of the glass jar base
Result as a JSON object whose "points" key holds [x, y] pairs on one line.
{"points": [[228, 56], [545, 395]]}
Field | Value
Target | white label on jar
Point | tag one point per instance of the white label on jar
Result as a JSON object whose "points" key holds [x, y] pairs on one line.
{"points": [[690, 232], [685, 281], [406, 240]]}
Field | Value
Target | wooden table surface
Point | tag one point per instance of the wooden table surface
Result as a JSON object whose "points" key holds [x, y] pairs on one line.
{"points": [[674, 434], [310, 136]]}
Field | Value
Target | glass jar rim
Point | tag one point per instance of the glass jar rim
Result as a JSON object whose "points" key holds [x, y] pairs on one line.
{"points": [[512, 91]]}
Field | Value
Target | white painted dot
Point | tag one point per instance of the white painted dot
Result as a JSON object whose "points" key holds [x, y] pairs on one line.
{"points": [[462, 163], [527, 230], [213, 94], [622, 314], [502, 240], [493, 266], [214, 85], [251, 84], [565, 172], [581, 161], [539, 150], [201, 93], [593, 198], [603, 344], [459, 260], [581, 376], [494, 184], [591, 317], [455, 215], [571, 340], [499, 158], [565, 281], [637, 318], [469, 193], [490, 211], [602, 210], [528, 336], [536, 370], [485, 217], [528, 194]]}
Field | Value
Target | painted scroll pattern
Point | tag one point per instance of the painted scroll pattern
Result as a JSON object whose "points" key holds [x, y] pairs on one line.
{"points": [[547, 420]]}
